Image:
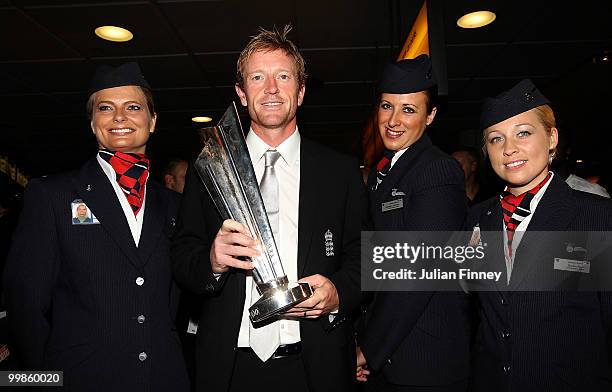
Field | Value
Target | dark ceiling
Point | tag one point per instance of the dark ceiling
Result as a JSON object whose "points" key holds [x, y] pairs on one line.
{"points": [[188, 50]]}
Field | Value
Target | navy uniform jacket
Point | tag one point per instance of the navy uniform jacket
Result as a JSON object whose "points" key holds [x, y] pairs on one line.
{"points": [[419, 338], [543, 341], [332, 197], [72, 295]]}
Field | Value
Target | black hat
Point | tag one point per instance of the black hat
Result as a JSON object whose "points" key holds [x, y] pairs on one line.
{"points": [[520, 98], [407, 76], [127, 74]]}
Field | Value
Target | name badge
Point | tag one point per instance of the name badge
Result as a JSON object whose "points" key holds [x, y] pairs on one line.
{"points": [[582, 266], [392, 205]]}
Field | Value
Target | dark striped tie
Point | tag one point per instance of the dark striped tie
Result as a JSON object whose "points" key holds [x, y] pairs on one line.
{"points": [[516, 209], [383, 166]]}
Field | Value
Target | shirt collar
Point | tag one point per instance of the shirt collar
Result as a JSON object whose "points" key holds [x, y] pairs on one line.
{"points": [[106, 168], [397, 155], [289, 149], [538, 196]]}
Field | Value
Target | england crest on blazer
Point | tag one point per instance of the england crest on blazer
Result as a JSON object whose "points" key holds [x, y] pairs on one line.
{"points": [[329, 243]]}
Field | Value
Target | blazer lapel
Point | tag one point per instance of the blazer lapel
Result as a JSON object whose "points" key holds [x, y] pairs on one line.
{"points": [[309, 168], [93, 187], [152, 224], [492, 236], [554, 213], [403, 164]]}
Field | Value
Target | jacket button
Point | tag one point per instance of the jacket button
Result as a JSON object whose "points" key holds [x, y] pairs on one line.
{"points": [[140, 281], [141, 319], [507, 369], [142, 356], [505, 334]]}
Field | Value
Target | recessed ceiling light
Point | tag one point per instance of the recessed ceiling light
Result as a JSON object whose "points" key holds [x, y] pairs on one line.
{"points": [[477, 19], [603, 58], [579, 161], [114, 33], [201, 119]]}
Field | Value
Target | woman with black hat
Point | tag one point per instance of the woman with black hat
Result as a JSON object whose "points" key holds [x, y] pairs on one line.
{"points": [[93, 299], [530, 339], [417, 340]]}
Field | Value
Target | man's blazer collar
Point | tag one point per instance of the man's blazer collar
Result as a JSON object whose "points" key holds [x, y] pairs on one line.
{"points": [[310, 170]]}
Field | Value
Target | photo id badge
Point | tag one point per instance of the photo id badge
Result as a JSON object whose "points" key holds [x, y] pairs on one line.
{"points": [[81, 214]]}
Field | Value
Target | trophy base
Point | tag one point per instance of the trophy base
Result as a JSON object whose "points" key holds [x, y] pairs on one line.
{"points": [[279, 299]]}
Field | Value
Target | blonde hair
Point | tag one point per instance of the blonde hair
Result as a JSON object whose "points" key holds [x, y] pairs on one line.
{"points": [[268, 41], [547, 118]]}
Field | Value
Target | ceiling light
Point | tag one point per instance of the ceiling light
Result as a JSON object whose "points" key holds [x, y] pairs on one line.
{"points": [[579, 161], [114, 33], [201, 119], [603, 58], [477, 19]]}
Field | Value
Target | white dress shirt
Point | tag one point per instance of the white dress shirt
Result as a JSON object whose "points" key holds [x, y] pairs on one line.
{"points": [[520, 229], [287, 170], [135, 222], [397, 156]]}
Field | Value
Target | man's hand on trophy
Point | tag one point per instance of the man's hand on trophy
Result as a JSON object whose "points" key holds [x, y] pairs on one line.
{"points": [[361, 372], [324, 298], [233, 240]]}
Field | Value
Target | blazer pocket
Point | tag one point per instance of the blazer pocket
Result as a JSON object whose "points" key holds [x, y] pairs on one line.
{"points": [[71, 355]]}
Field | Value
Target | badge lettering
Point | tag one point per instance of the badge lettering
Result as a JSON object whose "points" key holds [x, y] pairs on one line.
{"points": [[392, 205]]}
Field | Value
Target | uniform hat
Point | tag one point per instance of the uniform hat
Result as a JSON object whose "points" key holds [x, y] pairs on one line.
{"points": [[128, 74], [407, 76], [520, 98]]}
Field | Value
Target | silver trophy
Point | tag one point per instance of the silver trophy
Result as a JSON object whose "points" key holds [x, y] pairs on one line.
{"points": [[225, 168]]}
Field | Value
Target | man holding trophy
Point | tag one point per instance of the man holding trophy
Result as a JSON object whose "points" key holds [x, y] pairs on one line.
{"points": [[278, 283]]}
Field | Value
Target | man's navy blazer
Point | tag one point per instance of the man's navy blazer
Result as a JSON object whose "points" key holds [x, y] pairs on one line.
{"points": [[332, 197]]}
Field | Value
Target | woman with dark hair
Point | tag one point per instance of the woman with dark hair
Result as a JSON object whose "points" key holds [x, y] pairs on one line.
{"points": [[417, 340], [94, 300], [530, 339]]}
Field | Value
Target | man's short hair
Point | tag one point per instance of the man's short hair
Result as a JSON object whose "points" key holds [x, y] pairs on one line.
{"points": [[471, 151], [170, 167], [268, 41]]}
